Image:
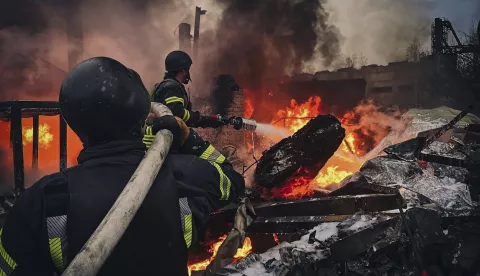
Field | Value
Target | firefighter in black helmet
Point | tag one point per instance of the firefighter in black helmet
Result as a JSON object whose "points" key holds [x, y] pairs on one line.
{"points": [[172, 93], [106, 104]]}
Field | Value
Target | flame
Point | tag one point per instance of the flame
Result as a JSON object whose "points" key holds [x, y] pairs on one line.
{"points": [[241, 253], [248, 107], [276, 239], [48, 150], [348, 144], [45, 138], [294, 117], [332, 176], [343, 163]]}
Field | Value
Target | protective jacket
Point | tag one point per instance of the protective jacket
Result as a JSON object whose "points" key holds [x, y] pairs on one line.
{"points": [[172, 93], [54, 218]]}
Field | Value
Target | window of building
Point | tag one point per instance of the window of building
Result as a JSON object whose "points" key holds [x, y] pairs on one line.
{"points": [[384, 89]]}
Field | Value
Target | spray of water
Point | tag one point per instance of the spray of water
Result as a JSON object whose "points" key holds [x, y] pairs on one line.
{"points": [[269, 130]]}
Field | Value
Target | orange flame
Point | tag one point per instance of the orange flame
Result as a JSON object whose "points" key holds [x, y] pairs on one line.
{"points": [[341, 165], [275, 237], [295, 116], [248, 104], [48, 150], [241, 253], [44, 136]]}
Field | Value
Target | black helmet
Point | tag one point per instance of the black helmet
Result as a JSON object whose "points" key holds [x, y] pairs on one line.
{"points": [[177, 60], [102, 100]]}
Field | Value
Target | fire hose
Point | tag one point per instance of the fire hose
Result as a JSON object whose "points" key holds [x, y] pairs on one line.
{"points": [[101, 244], [236, 122]]}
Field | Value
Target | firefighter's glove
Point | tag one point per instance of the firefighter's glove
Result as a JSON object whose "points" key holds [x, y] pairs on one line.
{"points": [[209, 122], [178, 128]]}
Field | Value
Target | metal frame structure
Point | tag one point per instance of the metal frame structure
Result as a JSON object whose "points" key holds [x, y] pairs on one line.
{"points": [[441, 27], [14, 111]]}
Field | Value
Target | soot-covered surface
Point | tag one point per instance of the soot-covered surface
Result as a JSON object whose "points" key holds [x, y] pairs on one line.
{"points": [[301, 150]]}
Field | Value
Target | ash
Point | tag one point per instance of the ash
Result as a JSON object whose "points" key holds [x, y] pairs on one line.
{"points": [[280, 258], [444, 149]]}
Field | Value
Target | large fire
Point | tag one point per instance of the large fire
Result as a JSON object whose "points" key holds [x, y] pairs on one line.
{"points": [[48, 148], [241, 253], [343, 163], [45, 138], [297, 115]]}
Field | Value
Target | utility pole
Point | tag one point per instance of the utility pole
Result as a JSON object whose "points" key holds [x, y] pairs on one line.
{"points": [[196, 31]]}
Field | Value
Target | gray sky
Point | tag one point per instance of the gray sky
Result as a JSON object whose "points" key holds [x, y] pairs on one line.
{"points": [[462, 13]]}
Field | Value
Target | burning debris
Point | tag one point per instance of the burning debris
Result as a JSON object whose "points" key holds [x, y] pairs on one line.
{"points": [[299, 154], [363, 228]]}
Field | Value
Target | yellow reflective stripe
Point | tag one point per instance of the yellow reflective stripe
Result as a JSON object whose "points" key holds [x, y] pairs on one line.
{"points": [[187, 221], [225, 183], [186, 115], [56, 252], [174, 99], [57, 240], [207, 153], [8, 260], [2, 273], [187, 233], [212, 155], [148, 137], [148, 131], [220, 159]]}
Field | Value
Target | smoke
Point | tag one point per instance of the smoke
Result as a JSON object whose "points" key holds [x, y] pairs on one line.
{"points": [[224, 87], [381, 30], [257, 41], [370, 123], [137, 33]]}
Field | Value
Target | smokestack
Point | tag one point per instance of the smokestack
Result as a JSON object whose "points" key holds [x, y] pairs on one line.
{"points": [[196, 32], [74, 23], [184, 37]]}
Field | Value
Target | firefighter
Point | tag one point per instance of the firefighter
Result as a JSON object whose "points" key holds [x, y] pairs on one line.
{"points": [[172, 93], [106, 104]]}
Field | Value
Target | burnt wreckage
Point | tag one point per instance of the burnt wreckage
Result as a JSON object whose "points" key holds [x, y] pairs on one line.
{"points": [[410, 211]]}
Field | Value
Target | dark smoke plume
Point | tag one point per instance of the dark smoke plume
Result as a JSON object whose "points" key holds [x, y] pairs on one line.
{"points": [[223, 89], [258, 41]]}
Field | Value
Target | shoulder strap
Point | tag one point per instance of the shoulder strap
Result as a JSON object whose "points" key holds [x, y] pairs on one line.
{"points": [[57, 198]]}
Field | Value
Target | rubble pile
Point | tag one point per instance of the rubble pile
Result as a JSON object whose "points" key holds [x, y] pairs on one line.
{"points": [[413, 210]]}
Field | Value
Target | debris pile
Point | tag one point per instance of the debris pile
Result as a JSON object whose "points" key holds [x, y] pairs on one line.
{"points": [[411, 211]]}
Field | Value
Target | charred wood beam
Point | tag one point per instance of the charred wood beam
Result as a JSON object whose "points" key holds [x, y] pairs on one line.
{"points": [[304, 152], [284, 225], [297, 211], [16, 130], [342, 205], [35, 142], [359, 242], [362, 186], [454, 162], [30, 104], [29, 108]]}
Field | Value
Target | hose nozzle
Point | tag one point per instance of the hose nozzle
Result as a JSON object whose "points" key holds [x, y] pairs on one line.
{"points": [[242, 123]]}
